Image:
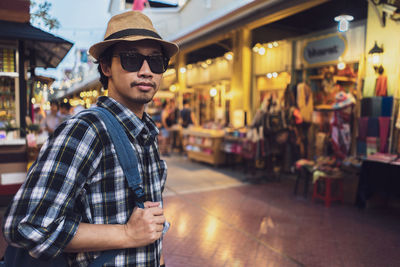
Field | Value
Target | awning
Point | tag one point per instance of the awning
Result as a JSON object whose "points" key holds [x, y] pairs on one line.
{"points": [[48, 49]]}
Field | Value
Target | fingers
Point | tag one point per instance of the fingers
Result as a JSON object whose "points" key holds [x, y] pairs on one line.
{"points": [[149, 204]]}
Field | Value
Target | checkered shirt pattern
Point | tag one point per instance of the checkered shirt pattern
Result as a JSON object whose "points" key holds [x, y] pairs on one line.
{"points": [[77, 178]]}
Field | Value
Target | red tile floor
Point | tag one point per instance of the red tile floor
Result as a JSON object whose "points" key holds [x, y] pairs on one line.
{"points": [[265, 225], [217, 220]]}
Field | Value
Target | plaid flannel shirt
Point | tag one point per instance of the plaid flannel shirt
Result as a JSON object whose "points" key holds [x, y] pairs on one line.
{"points": [[77, 178]]}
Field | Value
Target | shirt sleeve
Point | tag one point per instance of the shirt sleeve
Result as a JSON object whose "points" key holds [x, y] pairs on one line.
{"points": [[41, 217]]}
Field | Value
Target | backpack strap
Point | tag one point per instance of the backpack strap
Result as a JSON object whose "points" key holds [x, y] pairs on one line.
{"points": [[128, 160], [126, 155]]}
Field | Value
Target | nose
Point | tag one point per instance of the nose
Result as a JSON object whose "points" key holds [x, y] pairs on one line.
{"points": [[145, 70]]}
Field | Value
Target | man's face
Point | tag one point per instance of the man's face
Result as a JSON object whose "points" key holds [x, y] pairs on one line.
{"points": [[133, 89]]}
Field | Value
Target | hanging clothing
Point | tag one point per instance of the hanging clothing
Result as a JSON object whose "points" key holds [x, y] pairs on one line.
{"points": [[384, 126], [372, 145], [376, 106], [361, 147], [381, 85], [387, 105], [362, 128], [373, 127], [305, 101], [366, 107]]}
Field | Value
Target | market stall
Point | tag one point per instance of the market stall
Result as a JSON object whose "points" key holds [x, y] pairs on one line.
{"points": [[22, 48]]}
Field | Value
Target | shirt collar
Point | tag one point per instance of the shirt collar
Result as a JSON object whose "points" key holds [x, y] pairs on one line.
{"points": [[133, 124]]}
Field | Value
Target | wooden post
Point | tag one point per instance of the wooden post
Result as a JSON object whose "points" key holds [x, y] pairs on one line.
{"points": [[22, 87]]}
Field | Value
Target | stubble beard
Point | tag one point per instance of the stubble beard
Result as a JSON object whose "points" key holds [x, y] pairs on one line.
{"points": [[143, 97]]}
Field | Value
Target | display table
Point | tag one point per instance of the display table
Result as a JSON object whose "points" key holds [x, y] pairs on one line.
{"points": [[377, 178], [204, 145]]}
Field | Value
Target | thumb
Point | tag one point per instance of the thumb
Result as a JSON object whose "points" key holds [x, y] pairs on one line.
{"points": [[149, 204]]}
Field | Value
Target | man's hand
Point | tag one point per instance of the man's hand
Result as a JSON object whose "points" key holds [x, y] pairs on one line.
{"points": [[145, 225]]}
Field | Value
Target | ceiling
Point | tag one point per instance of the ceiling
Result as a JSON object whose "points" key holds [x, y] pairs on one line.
{"points": [[312, 20]]}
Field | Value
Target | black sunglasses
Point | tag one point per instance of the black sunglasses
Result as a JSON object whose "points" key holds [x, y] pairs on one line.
{"points": [[132, 61]]}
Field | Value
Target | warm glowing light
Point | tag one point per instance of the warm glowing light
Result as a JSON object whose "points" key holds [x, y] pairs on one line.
{"points": [[341, 66], [95, 93], [275, 44], [344, 22], [65, 100], [230, 95], [228, 55], [213, 92], [255, 49], [211, 228], [182, 225], [189, 67], [33, 100], [274, 74], [182, 70], [375, 59], [261, 51], [173, 88], [209, 61], [204, 65], [269, 75], [270, 45]]}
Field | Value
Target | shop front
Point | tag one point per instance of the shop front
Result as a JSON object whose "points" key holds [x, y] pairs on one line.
{"points": [[22, 48]]}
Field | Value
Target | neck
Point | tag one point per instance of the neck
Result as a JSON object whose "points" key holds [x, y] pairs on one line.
{"points": [[136, 108]]}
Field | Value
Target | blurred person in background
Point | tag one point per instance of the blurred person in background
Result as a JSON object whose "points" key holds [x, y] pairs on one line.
{"points": [[52, 119], [65, 110], [187, 116], [165, 143]]}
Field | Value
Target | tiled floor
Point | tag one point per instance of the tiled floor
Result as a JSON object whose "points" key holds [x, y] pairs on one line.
{"points": [[218, 218], [265, 225]]}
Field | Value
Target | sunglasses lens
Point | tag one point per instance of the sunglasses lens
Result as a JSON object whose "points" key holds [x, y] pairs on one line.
{"points": [[156, 64], [132, 62]]}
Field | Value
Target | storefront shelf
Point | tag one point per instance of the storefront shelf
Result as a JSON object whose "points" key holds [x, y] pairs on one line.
{"points": [[335, 78], [200, 146], [214, 140]]}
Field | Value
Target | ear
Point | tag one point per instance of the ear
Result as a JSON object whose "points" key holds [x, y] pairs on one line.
{"points": [[106, 69]]}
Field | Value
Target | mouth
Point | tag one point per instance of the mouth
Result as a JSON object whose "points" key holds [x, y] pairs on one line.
{"points": [[143, 86]]}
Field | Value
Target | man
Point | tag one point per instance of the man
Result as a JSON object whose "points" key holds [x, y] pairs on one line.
{"points": [[52, 119], [187, 116], [76, 198]]}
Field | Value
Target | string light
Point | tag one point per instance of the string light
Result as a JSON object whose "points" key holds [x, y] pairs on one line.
{"points": [[228, 55], [213, 92]]}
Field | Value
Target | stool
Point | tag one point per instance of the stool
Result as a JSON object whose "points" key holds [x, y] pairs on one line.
{"points": [[329, 194]]}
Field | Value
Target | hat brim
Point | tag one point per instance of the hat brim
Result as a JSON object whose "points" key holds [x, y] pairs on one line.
{"points": [[97, 49]]}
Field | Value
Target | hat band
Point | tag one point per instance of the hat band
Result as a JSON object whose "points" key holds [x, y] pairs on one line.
{"points": [[129, 32]]}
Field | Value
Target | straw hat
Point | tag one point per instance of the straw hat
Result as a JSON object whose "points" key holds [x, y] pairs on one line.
{"points": [[131, 26]]}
